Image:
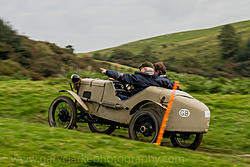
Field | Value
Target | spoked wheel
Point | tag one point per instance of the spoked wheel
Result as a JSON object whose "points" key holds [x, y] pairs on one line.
{"points": [[62, 113], [186, 140], [144, 126], [102, 128]]}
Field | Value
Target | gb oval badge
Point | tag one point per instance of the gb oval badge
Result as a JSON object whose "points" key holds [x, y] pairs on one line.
{"points": [[184, 113]]}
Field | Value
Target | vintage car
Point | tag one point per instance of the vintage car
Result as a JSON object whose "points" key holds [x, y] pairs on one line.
{"points": [[95, 102]]}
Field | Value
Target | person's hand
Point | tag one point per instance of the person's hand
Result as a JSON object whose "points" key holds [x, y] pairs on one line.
{"points": [[103, 70]]}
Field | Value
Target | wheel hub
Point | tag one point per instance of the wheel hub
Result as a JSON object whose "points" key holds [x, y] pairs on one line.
{"points": [[146, 129], [63, 115]]}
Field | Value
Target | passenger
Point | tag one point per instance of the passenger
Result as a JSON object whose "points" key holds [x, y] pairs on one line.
{"points": [[163, 80], [160, 69], [140, 80]]}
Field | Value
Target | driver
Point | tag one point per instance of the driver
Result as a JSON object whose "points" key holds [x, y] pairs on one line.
{"points": [[140, 79]]}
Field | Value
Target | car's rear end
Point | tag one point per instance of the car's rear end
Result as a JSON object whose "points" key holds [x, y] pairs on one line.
{"points": [[188, 114]]}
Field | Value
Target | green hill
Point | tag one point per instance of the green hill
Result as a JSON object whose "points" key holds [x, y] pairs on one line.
{"points": [[196, 52], [21, 57]]}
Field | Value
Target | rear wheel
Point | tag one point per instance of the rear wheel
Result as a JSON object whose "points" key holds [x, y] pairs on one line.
{"points": [[62, 113], [144, 125], [102, 128], [186, 140]]}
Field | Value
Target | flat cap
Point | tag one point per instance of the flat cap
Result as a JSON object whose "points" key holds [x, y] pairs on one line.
{"points": [[146, 64]]}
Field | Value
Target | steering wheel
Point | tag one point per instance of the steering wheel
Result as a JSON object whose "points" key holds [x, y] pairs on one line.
{"points": [[128, 87], [122, 86]]}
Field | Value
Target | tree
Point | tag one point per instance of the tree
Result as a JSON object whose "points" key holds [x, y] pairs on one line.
{"points": [[229, 41], [244, 53], [70, 48], [8, 35], [5, 49]]}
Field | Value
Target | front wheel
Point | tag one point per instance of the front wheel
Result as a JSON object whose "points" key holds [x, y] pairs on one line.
{"points": [[62, 113], [186, 140]]}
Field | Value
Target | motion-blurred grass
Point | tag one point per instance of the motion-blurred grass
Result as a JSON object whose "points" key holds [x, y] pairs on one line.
{"points": [[29, 144], [25, 132]]}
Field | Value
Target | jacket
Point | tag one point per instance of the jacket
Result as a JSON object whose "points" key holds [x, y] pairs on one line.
{"points": [[140, 80], [165, 82]]}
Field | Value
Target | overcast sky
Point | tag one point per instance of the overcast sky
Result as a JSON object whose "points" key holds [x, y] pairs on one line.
{"points": [[96, 24]]}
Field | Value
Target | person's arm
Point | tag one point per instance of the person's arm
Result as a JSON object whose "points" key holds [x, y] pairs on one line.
{"points": [[124, 78], [166, 83]]}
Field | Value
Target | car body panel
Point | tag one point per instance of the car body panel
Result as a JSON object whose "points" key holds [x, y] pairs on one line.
{"points": [[104, 103]]}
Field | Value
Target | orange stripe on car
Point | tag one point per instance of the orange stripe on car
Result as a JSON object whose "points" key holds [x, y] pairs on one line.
{"points": [[166, 115]]}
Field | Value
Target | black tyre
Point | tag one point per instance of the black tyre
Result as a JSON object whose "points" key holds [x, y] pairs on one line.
{"points": [[186, 140], [62, 113], [144, 125], [102, 128]]}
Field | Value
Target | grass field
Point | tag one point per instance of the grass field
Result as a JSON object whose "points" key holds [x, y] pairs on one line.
{"points": [[27, 140], [30, 144]]}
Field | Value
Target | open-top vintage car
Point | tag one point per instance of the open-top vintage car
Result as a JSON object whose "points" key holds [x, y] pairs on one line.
{"points": [[95, 102]]}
